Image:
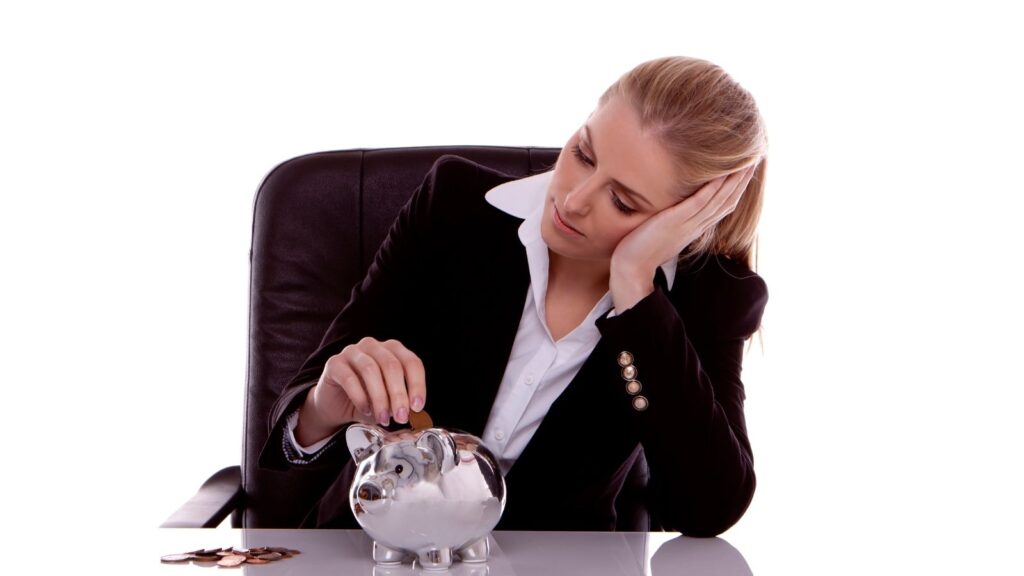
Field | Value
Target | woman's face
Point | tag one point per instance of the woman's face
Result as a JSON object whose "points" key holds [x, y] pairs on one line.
{"points": [[609, 178]]}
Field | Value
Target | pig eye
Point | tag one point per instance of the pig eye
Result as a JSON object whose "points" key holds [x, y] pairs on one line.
{"points": [[403, 469]]}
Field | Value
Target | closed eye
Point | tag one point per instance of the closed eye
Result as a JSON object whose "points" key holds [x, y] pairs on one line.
{"points": [[581, 156], [619, 204], [616, 200]]}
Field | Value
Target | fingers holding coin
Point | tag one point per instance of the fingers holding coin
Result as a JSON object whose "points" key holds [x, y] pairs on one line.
{"points": [[373, 370], [406, 385], [340, 391], [369, 382], [379, 379]]}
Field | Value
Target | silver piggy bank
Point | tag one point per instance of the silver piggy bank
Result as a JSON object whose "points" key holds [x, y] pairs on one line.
{"points": [[433, 495]]}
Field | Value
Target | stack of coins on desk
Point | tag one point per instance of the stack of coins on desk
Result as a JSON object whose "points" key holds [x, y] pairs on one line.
{"points": [[232, 557]]}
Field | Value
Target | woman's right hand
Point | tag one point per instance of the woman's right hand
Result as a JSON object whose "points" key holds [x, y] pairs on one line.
{"points": [[370, 381]]}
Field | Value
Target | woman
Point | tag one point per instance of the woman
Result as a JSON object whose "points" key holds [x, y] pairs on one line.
{"points": [[577, 320]]}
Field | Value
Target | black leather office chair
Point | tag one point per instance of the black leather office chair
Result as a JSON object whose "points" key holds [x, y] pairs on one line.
{"points": [[317, 223]]}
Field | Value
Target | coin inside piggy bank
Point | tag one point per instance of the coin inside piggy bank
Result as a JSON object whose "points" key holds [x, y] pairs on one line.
{"points": [[430, 495]]}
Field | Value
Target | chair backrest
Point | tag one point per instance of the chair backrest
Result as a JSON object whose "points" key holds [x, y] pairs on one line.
{"points": [[317, 223]]}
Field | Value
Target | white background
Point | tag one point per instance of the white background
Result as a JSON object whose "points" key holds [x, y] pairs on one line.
{"points": [[884, 408]]}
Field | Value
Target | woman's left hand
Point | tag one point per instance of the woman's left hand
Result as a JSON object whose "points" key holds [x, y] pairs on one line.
{"points": [[664, 235]]}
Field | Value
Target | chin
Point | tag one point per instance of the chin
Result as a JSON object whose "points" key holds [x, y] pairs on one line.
{"points": [[557, 244], [559, 248], [547, 234]]}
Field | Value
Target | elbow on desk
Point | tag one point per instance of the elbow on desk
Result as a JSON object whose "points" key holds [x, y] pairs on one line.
{"points": [[708, 514]]}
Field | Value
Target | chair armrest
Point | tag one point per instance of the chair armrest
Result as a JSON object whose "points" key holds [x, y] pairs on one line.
{"points": [[216, 498]]}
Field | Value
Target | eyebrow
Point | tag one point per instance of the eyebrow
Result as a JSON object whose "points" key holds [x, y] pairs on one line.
{"points": [[626, 189]]}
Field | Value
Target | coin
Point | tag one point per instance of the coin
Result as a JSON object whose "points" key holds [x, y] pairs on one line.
{"points": [[257, 561], [176, 558], [420, 420], [232, 560]]}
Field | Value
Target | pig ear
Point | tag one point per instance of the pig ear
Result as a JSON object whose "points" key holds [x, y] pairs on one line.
{"points": [[441, 445], [363, 441]]}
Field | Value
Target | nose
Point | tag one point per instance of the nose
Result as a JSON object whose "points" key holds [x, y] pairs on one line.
{"points": [[577, 202]]}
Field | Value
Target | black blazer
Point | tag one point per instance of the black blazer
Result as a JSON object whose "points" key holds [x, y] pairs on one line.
{"points": [[450, 282]]}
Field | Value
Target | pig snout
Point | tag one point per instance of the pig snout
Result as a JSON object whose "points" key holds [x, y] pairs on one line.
{"points": [[374, 495]]}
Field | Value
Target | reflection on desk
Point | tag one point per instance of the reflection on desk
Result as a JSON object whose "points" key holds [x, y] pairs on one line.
{"points": [[512, 554]]}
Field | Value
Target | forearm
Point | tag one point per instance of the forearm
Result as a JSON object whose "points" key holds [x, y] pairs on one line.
{"points": [[702, 476], [629, 284], [280, 452], [692, 426], [310, 427]]}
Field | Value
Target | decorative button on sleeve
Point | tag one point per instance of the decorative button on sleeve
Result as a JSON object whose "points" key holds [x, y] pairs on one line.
{"points": [[640, 403], [633, 387]]}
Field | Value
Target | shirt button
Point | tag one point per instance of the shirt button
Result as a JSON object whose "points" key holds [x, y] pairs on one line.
{"points": [[529, 379], [499, 436]]}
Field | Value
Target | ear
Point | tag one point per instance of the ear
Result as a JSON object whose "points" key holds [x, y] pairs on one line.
{"points": [[442, 446], [363, 441]]}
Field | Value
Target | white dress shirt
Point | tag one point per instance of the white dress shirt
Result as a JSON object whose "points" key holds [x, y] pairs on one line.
{"points": [[539, 368]]}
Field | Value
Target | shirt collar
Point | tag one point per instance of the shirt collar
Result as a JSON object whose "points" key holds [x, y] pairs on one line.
{"points": [[520, 198], [524, 198]]}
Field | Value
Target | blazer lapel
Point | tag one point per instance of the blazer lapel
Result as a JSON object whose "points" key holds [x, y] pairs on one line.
{"points": [[486, 323]]}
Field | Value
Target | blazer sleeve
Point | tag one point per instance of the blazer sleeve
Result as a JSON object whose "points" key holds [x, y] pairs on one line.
{"points": [[692, 430], [383, 306]]}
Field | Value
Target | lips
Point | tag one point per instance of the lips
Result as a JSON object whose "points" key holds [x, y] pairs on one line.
{"points": [[563, 225]]}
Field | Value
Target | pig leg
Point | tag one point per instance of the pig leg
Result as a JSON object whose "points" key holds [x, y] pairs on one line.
{"points": [[477, 551], [384, 555], [437, 559]]}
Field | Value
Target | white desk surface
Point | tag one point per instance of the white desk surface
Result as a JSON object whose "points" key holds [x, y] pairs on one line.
{"points": [[345, 552]]}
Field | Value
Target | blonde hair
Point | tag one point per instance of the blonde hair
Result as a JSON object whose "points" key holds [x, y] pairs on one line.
{"points": [[712, 126]]}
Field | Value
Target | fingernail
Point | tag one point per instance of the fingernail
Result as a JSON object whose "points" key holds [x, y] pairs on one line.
{"points": [[384, 418], [402, 415], [367, 411], [417, 403]]}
